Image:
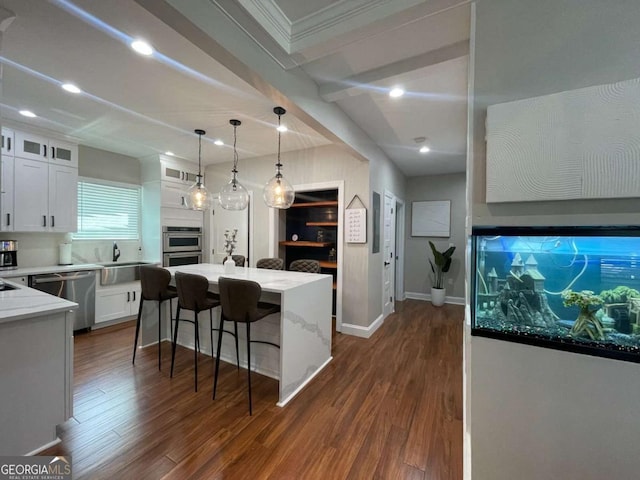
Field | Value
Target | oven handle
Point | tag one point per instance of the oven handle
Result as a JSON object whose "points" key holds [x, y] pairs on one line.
{"points": [[37, 280]]}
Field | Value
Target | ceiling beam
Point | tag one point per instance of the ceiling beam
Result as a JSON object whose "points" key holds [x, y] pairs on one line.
{"points": [[357, 84]]}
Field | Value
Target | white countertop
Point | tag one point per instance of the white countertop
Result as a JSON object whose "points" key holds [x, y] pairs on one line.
{"points": [[19, 272], [25, 302], [270, 280]]}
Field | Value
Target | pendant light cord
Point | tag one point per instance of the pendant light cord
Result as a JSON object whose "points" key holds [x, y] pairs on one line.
{"points": [[235, 153], [278, 165]]}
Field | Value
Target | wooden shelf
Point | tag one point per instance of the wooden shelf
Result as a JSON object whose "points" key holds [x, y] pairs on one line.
{"points": [[327, 264], [335, 285], [322, 224], [328, 203], [302, 243]]}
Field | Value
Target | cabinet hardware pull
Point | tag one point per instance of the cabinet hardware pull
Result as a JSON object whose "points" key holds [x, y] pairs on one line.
{"points": [[182, 202], [53, 221], [8, 144], [8, 219], [44, 220], [53, 152], [44, 149], [128, 296], [134, 296]]}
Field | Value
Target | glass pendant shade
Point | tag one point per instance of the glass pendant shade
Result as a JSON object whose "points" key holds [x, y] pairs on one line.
{"points": [[198, 197], [233, 195], [278, 192]]}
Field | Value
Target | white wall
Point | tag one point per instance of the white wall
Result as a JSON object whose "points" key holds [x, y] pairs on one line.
{"points": [[535, 413], [96, 163], [303, 167], [417, 254]]}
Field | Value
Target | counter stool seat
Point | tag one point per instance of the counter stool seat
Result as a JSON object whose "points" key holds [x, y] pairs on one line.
{"points": [[240, 301], [154, 282]]}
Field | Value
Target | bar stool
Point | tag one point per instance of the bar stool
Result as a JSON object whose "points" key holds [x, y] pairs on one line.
{"points": [[238, 259], [305, 265], [194, 295], [270, 263], [155, 287], [240, 300]]}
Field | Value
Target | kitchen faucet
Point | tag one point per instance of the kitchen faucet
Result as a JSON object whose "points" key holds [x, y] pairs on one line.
{"points": [[116, 252]]}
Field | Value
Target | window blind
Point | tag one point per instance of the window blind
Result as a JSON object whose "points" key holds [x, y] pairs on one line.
{"points": [[108, 212]]}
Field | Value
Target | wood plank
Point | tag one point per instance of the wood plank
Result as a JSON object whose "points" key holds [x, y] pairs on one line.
{"points": [[328, 203], [327, 264], [322, 224], [304, 243], [386, 407]]}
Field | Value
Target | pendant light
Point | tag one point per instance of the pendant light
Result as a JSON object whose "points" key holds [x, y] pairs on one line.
{"points": [[233, 195], [278, 193], [198, 197]]}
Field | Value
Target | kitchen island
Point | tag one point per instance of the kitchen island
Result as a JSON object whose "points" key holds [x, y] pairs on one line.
{"points": [[302, 329], [36, 378]]}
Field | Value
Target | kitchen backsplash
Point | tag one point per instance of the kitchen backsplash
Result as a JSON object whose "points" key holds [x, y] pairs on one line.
{"points": [[41, 249]]}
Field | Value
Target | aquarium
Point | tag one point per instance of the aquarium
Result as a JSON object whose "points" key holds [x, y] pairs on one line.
{"points": [[569, 288]]}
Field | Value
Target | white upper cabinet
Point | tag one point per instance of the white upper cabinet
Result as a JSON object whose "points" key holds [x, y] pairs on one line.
{"points": [[31, 188], [7, 217], [63, 198], [32, 147], [35, 147], [179, 173], [63, 153], [8, 142]]}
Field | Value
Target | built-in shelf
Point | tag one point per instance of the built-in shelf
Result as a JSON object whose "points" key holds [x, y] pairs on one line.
{"points": [[322, 224], [335, 285], [302, 243], [327, 264], [328, 203]]}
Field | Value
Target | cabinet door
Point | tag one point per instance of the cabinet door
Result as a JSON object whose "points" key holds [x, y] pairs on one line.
{"points": [[172, 173], [134, 302], [31, 195], [173, 195], [7, 142], [112, 304], [63, 153], [63, 199], [7, 216], [30, 146]]}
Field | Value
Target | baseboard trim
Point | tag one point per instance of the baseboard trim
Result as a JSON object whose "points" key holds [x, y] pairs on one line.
{"points": [[43, 447], [360, 331], [427, 297], [297, 390]]}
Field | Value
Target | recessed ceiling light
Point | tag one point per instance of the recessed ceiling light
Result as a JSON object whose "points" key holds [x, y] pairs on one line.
{"points": [[424, 149], [142, 47], [218, 142], [396, 92], [28, 113], [70, 87], [282, 128], [171, 154]]}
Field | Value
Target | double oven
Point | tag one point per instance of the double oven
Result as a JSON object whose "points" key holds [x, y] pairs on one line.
{"points": [[181, 246]]}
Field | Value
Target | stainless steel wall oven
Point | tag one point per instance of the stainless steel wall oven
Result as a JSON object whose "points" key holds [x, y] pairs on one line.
{"points": [[181, 246]]}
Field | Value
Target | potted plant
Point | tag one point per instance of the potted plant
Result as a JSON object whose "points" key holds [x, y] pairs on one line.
{"points": [[439, 266]]}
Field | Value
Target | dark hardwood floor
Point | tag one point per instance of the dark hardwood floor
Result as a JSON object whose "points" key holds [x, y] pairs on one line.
{"points": [[388, 407]]}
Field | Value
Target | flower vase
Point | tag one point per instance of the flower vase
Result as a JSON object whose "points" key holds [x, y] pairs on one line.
{"points": [[229, 265], [587, 324]]}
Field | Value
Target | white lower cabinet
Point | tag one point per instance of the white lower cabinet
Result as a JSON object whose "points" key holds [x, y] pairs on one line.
{"points": [[117, 301]]}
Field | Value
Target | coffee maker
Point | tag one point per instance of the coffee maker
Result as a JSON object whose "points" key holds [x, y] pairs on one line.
{"points": [[8, 254]]}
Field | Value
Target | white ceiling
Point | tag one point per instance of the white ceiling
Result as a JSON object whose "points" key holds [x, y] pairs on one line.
{"points": [[354, 50]]}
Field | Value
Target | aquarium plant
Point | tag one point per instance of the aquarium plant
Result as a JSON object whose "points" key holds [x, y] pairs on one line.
{"points": [[587, 322], [440, 264], [620, 294]]}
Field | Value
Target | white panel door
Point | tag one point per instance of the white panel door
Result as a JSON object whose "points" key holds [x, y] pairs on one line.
{"points": [[7, 216], [228, 219], [389, 236], [31, 195], [63, 199]]}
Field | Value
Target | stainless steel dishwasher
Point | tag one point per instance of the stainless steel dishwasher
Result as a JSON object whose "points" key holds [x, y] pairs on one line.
{"points": [[79, 287]]}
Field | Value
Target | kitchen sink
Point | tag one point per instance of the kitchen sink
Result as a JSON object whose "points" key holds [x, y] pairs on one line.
{"points": [[114, 273]]}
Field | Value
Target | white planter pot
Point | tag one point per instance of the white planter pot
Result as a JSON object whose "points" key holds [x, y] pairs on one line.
{"points": [[437, 296], [229, 265]]}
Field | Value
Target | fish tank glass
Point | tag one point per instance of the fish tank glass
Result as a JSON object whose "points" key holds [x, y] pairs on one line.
{"points": [[568, 288]]}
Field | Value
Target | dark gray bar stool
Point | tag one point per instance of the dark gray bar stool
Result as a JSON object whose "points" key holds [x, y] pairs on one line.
{"points": [[305, 265], [270, 263], [155, 287], [240, 300]]}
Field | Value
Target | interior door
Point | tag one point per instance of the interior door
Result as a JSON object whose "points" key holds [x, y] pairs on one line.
{"points": [[389, 236], [228, 220]]}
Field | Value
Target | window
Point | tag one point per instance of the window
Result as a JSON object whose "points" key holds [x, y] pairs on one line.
{"points": [[108, 211]]}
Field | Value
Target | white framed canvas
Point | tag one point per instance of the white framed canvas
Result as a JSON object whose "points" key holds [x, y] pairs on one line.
{"points": [[431, 219]]}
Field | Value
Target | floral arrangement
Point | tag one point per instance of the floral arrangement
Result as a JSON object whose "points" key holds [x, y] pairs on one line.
{"points": [[230, 241]]}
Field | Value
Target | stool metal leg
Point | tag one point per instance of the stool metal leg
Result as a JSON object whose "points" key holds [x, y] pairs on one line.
{"points": [[195, 350], [249, 364], [159, 332], [135, 343], [175, 340], [235, 324], [211, 329], [215, 376]]}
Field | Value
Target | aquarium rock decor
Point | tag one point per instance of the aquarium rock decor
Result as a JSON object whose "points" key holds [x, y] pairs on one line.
{"points": [[587, 323]]}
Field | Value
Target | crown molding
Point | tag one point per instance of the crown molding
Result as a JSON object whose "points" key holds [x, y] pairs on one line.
{"points": [[269, 15]]}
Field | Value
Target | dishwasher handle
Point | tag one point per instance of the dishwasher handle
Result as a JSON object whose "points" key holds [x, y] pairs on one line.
{"points": [[39, 279]]}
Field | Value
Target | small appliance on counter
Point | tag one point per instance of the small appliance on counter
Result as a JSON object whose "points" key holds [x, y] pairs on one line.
{"points": [[64, 251], [8, 254]]}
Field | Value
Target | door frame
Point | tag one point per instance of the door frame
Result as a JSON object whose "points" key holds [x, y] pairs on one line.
{"points": [[385, 195], [400, 241], [274, 234]]}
